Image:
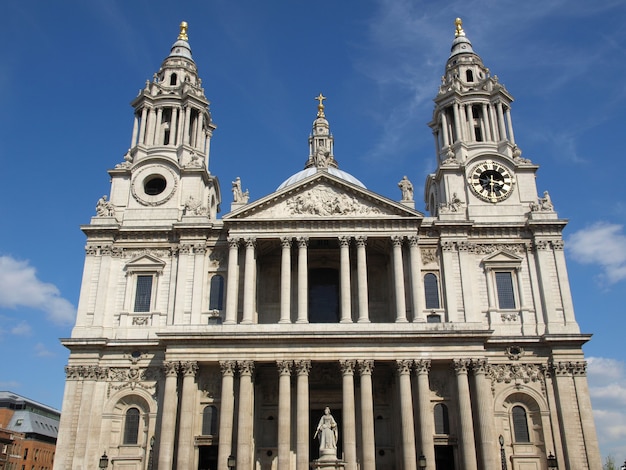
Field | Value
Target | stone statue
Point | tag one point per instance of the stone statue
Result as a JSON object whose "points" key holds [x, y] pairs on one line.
{"points": [[327, 433], [321, 157], [238, 194], [407, 189], [104, 208], [546, 202]]}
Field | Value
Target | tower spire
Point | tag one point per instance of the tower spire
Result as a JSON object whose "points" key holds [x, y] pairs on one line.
{"points": [[321, 141]]}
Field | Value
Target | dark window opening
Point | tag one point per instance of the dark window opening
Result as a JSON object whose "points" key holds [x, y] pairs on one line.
{"points": [[131, 426], [520, 424], [154, 185], [173, 79], [143, 294], [442, 424], [323, 295], [209, 421], [504, 286], [216, 293], [431, 291], [469, 75]]}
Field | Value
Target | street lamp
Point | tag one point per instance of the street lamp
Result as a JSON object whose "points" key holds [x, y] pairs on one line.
{"points": [[421, 460], [502, 452], [104, 461], [552, 463], [230, 463]]}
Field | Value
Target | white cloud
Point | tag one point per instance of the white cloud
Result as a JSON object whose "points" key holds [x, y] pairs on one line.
{"points": [[21, 329], [9, 385], [602, 244], [42, 351], [20, 287], [607, 387]]}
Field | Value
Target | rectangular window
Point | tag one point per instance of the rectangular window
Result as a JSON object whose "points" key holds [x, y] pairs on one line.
{"points": [[504, 286], [143, 294]]}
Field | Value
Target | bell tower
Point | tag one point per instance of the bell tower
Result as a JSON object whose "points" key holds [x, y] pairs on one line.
{"points": [[481, 174], [165, 173]]}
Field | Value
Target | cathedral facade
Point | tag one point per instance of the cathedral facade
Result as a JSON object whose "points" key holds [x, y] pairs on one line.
{"points": [[325, 326]]}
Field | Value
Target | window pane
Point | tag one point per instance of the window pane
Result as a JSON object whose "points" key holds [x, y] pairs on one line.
{"points": [[143, 293], [504, 285], [216, 293], [131, 426], [209, 421], [520, 425], [431, 290], [441, 419]]}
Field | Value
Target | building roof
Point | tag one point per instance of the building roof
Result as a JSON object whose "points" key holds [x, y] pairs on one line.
{"points": [[29, 422]]}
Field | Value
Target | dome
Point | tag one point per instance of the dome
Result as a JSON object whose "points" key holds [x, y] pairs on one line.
{"points": [[312, 170]]}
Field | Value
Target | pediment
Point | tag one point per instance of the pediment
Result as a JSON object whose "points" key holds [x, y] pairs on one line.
{"points": [[145, 263], [322, 196], [502, 258]]}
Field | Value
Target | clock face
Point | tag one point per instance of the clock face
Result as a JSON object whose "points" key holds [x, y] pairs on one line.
{"points": [[491, 181]]}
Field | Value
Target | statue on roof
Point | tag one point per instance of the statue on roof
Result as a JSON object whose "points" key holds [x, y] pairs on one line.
{"points": [[407, 189]]}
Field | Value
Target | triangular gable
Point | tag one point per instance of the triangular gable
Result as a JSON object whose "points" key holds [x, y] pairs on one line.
{"points": [[322, 195], [145, 263], [502, 258]]}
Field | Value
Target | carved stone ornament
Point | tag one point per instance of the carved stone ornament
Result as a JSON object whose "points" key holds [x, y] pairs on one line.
{"points": [[133, 377], [429, 255], [322, 201], [514, 352], [517, 373], [509, 317]]}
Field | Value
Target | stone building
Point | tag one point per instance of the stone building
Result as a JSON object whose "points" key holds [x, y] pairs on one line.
{"points": [[446, 340]]}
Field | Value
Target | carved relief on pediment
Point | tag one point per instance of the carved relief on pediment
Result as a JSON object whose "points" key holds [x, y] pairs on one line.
{"points": [[321, 201]]}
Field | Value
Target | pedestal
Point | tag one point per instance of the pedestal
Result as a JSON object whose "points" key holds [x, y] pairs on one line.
{"points": [[328, 464]]}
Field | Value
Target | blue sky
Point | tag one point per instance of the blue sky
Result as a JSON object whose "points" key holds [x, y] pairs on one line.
{"points": [[70, 68]]}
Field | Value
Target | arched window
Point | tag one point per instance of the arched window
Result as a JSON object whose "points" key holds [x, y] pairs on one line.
{"points": [[209, 421], [442, 425], [431, 291], [173, 79], [469, 75], [520, 424], [131, 426], [216, 293]]}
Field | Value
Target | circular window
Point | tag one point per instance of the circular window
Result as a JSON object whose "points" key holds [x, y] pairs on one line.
{"points": [[154, 184]]}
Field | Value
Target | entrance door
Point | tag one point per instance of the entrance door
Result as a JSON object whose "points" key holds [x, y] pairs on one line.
{"points": [[444, 458], [208, 458]]}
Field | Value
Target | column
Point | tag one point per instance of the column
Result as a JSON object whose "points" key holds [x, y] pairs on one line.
{"points": [[564, 285], [398, 279], [469, 282], [545, 268], [302, 410], [186, 131], [82, 422], [232, 282], [494, 123], [367, 415], [246, 415], [143, 125], [168, 419], [349, 421], [426, 423], [468, 446], [133, 139], [444, 128], [180, 139], [249, 288], [199, 127], [417, 286], [199, 258], [157, 127], [67, 435], [285, 281], [173, 133], [150, 127], [409, 457], [303, 281], [344, 250], [361, 260], [457, 125], [488, 136], [284, 413], [448, 253], [586, 417], [486, 428], [501, 126], [227, 408], [510, 125], [469, 118], [187, 408]]}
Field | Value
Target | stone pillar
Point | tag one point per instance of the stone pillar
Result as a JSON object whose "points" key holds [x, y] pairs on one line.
{"points": [[173, 133], [468, 446], [545, 268], [361, 259], [367, 415], [564, 285], [302, 410], [409, 457], [589, 436], [486, 428], [346, 310], [187, 412], [246, 415], [133, 139], [284, 413], [186, 126], [285, 281], [150, 126], [168, 419], [444, 128], [232, 282], [469, 119], [509, 122], [570, 428], [417, 286], [157, 127], [142, 126], [457, 125], [227, 408], [426, 422], [501, 126], [249, 288], [398, 279], [67, 434], [448, 255], [303, 281], [487, 128], [349, 423]]}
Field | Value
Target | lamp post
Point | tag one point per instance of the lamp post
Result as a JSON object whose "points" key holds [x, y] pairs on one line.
{"points": [[552, 463], [421, 462], [151, 455], [502, 453], [231, 461], [104, 461]]}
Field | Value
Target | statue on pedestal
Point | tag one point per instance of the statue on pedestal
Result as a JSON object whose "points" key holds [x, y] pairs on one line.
{"points": [[327, 433]]}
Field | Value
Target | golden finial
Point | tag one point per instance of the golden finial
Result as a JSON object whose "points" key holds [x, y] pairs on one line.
{"points": [[320, 106], [459, 28], [183, 31]]}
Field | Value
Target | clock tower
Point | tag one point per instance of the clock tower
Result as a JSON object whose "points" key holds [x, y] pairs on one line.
{"points": [[480, 174]]}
